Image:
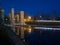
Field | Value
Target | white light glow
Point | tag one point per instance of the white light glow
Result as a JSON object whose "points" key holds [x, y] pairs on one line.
{"points": [[45, 28], [47, 21], [29, 17]]}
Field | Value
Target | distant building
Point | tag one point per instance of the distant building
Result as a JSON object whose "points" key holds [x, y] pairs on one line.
{"points": [[1, 16], [53, 18]]}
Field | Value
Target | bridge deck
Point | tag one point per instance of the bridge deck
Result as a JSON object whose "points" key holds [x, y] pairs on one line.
{"points": [[47, 21]]}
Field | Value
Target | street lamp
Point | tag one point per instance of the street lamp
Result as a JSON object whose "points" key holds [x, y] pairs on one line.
{"points": [[29, 17], [40, 16]]}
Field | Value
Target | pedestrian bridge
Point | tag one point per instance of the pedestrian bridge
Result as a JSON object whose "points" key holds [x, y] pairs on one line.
{"points": [[55, 23], [47, 21]]}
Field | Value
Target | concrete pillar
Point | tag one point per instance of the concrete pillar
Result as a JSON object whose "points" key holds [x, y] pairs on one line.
{"points": [[17, 18], [22, 23], [13, 19], [12, 13]]}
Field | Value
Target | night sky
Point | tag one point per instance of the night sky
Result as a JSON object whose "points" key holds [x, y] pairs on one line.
{"points": [[31, 6]]}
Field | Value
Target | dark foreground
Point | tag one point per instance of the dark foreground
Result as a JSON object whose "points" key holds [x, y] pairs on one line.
{"points": [[8, 37]]}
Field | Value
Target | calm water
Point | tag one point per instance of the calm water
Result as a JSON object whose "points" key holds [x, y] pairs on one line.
{"points": [[43, 38]]}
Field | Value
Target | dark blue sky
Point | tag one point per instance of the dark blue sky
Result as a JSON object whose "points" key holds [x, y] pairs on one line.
{"points": [[31, 6]]}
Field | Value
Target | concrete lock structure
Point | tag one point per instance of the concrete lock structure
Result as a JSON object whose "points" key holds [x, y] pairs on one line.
{"points": [[13, 19], [22, 23], [20, 20]]}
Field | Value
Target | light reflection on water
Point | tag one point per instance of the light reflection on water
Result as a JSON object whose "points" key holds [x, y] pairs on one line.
{"points": [[39, 37]]}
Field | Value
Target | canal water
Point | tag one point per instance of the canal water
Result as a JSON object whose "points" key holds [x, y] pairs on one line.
{"points": [[40, 37]]}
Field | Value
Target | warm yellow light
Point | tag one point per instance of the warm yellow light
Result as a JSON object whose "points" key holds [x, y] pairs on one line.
{"points": [[29, 30], [28, 20], [25, 20], [24, 28], [29, 17]]}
